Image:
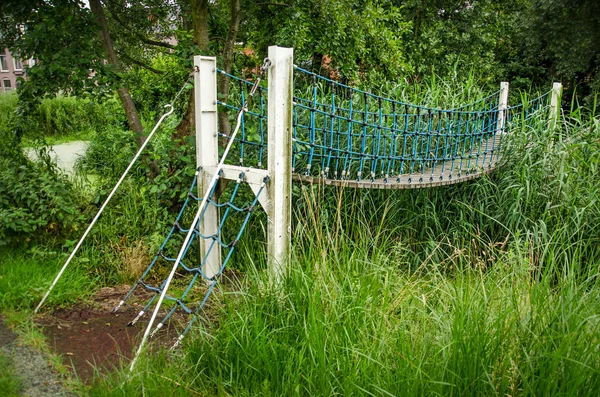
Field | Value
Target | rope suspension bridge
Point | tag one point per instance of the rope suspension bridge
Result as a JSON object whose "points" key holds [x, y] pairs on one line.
{"points": [[328, 133]]}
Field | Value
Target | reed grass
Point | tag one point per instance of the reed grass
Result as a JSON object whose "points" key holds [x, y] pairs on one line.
{"points": [[484, 288], [488, 287]]}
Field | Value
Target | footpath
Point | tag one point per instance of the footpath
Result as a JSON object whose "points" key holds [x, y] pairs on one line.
{"points": [[37, 377]]}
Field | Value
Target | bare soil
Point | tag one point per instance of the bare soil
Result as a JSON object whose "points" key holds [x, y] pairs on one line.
{"points": [[92, 340]]}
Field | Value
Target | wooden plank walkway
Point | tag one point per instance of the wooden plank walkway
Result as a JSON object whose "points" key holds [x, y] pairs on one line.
{"points": [[425, 179]]}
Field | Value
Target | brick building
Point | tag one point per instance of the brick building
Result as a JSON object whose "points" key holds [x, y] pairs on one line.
{"points": [[10, 70]]}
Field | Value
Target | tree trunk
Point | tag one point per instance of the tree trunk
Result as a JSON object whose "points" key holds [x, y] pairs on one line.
{"points": [[200, 23], [228, 47], [200, 17], [133, 118]]}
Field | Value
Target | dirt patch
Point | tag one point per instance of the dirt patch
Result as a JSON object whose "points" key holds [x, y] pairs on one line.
{"points": [[90, 338], [7, 337]]}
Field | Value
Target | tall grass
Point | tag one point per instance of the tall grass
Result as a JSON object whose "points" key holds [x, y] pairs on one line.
{"points": [[66, 115], [358, 326], [483, 288], [61, 118]]}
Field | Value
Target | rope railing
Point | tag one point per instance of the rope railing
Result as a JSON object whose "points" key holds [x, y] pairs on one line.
{"points": [[489, 102], [346, 134], [528, 109], [310, 78]]}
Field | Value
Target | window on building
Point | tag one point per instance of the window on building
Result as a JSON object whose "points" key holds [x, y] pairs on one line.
{"points": [[18, 64], [3, 61], [6, 85]]}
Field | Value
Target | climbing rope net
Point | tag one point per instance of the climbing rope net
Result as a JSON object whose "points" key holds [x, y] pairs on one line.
{"points": [[236, 210]]}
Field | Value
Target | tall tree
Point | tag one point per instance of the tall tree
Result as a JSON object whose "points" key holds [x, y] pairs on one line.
{"points": [[360, 38], [560, 38], [61, 36], [74, 49]]}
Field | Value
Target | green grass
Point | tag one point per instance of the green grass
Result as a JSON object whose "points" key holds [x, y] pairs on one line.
{"points": [[483, 288], [358, 324], [359, 327], [488, 287], [10, 384], [26, 275]]}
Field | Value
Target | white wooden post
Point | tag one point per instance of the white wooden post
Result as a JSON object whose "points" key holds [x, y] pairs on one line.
{"points": [[555, 103], [279, 211], [502, 106], [207, 152]]}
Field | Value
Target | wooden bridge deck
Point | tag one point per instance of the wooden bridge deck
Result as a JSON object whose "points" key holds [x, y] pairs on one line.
{"points": [[440, 176]]}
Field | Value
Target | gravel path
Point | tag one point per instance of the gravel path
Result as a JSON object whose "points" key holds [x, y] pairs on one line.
{"points": [[37, 377]]}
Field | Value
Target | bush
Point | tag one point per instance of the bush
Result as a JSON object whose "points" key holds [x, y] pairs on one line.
{"points": [[61, 116], [109, 154], [8, 104], [65, 115], [35, 199]]}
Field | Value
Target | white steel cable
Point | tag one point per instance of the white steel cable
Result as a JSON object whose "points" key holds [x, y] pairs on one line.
{"points": [[91, 225]]}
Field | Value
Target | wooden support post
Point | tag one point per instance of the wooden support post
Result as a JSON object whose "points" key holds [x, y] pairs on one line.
{"points": [[207, 153], [279, 211], [502, 106], [555, 103]]}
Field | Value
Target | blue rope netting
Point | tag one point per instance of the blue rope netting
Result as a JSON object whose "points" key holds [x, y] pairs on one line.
{"points": [[251, 142], [357, 135], [527, 112], [232, 216], [344, 133], [489, 102]]}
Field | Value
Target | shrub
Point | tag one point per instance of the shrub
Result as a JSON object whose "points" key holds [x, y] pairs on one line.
{"points": [[61, 116], [65, 115], [35, 199], [8, 103]]}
